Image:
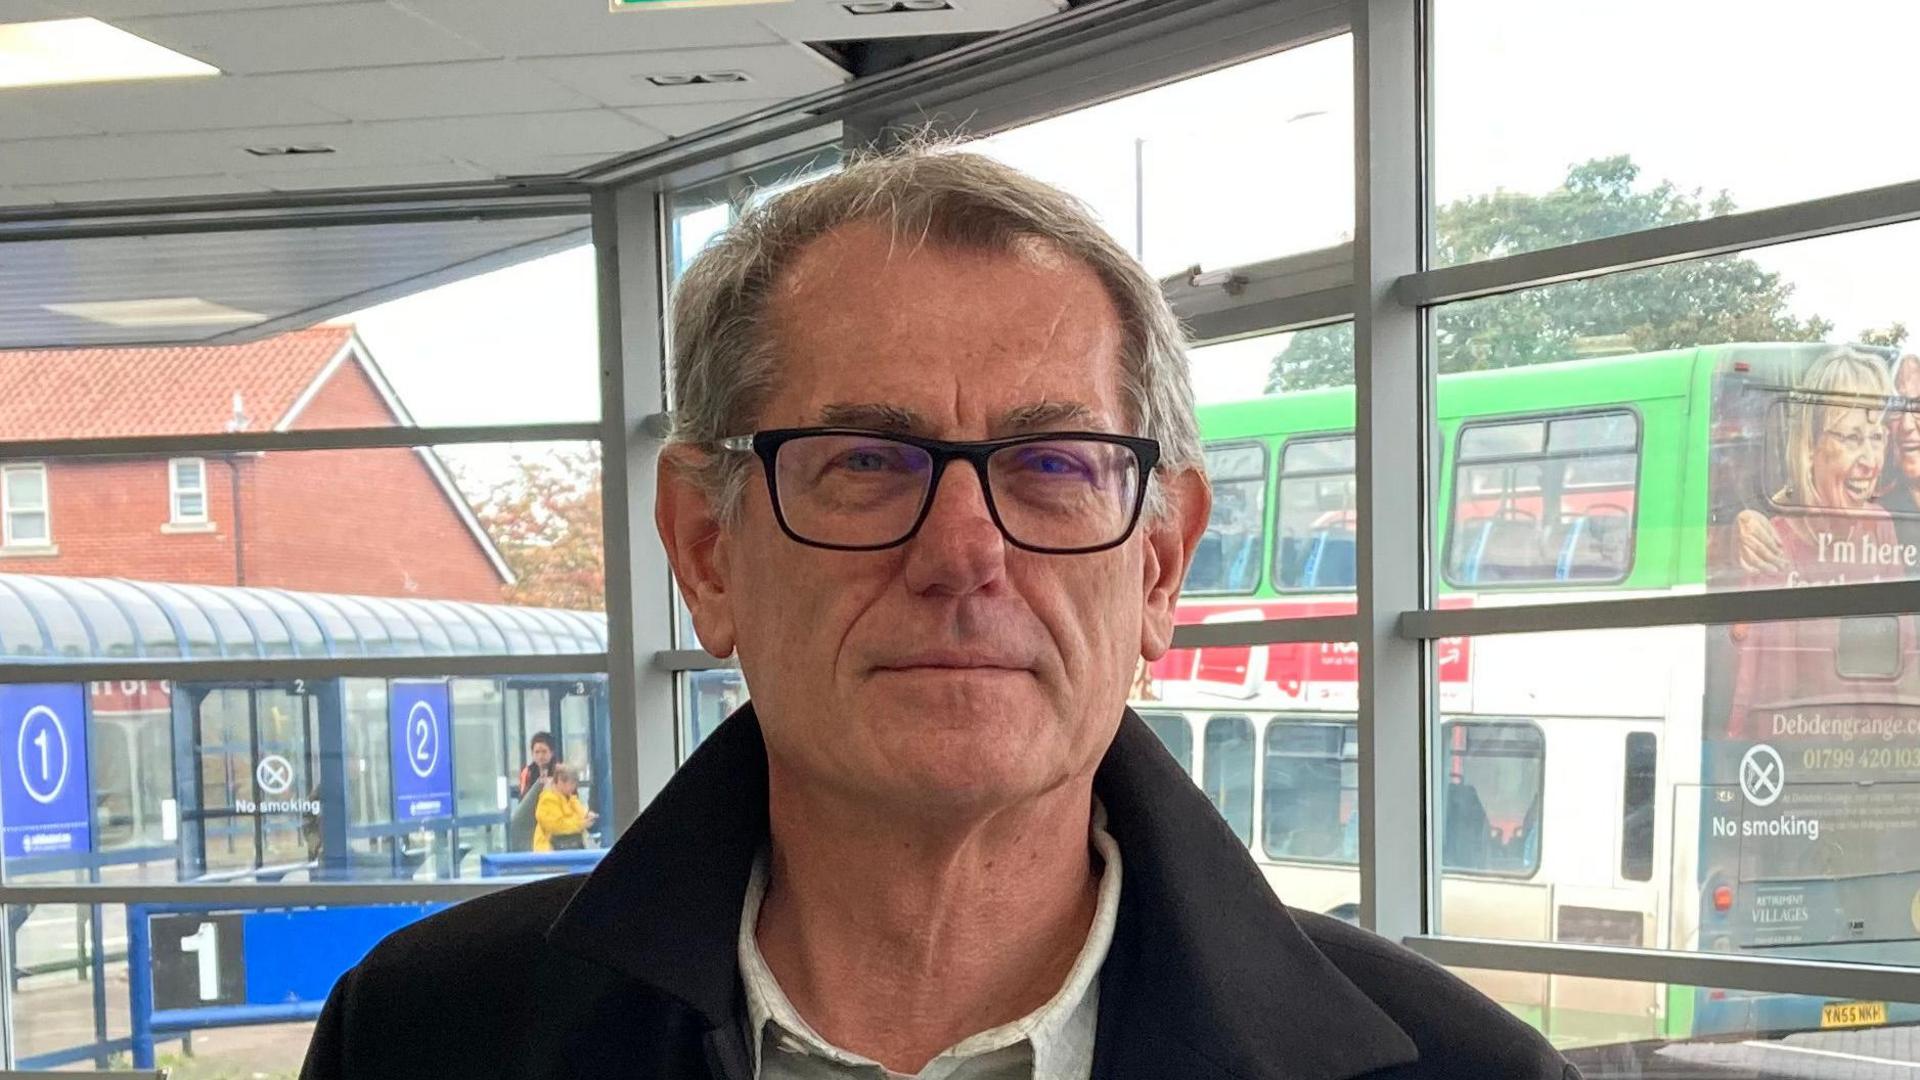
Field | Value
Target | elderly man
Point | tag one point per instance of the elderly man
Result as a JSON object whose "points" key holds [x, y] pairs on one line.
{"points": [[935, 480]]}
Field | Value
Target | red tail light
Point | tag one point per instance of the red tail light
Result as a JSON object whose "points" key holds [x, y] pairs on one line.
{"points": [[1723, 898]]}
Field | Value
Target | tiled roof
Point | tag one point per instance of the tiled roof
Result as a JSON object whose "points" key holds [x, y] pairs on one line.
{"points": [[173, 390]]}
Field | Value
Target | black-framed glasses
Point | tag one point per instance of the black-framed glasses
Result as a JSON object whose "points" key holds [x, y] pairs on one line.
{"points": [[1058, 493]]}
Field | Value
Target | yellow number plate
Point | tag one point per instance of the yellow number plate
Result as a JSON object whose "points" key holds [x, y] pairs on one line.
{"points": [[1845, 1014]]}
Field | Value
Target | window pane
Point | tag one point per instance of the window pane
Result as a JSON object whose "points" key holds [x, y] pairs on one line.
{"points": [[1150, 164], [190, 505], [698, 214], [1228, 558], [27, 527], [1747, 789], [1228, 770], [189, 475], [509, 298], [1317, 549], [1743, 421], [706, 699], [1312, 792], [26, 488], [1664, 113]]}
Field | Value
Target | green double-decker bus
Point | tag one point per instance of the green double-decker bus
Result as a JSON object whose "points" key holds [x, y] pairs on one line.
{"points": [[1728, 788]]}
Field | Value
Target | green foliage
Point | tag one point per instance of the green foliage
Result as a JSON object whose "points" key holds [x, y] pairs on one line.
{"points": [[546, 521], [1891, 336], [1698, 302]]}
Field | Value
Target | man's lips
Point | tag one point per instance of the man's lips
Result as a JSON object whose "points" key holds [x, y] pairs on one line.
{"points": [[953, 661]]}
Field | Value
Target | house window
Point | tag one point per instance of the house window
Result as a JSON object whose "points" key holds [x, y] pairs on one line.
{"points": [[23, 504], [187, 487]]}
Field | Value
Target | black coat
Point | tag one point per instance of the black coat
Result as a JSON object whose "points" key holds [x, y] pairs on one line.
{"points": [[634, 977]]}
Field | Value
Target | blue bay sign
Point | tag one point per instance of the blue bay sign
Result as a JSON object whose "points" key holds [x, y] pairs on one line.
{"points": [[422, 760], [43, 788]]}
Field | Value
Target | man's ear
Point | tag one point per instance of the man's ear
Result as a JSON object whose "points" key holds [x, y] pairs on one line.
{"points": [[696, 547], [1171, 541]]}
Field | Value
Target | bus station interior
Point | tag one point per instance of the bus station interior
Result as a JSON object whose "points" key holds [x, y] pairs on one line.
{"points": [[1556, 615]]}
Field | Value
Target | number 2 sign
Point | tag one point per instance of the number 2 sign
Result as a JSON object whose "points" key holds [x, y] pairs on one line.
{"points": [[422, 773], [43, 789]]}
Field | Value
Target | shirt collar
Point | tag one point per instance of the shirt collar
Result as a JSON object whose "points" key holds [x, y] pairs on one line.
{"points": [[1060, 1032]]}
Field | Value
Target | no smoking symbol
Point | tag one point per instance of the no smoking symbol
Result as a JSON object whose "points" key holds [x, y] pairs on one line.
{"points": [[1762, 775], [275, 774]]}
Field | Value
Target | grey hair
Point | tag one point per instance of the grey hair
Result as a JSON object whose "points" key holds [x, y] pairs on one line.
{"points": [[724, 367]]}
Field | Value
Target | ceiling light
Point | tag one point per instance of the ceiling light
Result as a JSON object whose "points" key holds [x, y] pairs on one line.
{"points": [[159, 311], [85, 50], [895, 7], [658, 5]]}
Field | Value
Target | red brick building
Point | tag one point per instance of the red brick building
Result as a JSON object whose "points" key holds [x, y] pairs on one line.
{"points": [[381, 522]]}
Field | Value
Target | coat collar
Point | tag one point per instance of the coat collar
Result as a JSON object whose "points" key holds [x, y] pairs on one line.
{"points": [[1208, 975]]}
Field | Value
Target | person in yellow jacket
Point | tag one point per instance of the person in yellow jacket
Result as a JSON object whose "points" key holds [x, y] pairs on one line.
{"points": [[560, 814]]}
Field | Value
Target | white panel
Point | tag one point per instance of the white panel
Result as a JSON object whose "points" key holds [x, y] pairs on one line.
{"points": [[30, 10], [125, 9], [108, 157], [83, 191], [305, 38], [176, 105], [567, 27], [482, 138], [316, 179], [11, 197], [773, 71], [686, 119], [18, 120], [505, 164], [424, 90], [829, 20]]}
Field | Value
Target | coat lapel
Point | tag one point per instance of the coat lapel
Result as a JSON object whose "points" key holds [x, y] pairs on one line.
{"points": [[1209, 975]]}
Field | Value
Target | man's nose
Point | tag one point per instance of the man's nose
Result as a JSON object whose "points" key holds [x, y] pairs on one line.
{"points": [[958, 548]]}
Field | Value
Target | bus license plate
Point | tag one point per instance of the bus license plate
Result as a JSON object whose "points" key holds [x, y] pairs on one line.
{"points": [[1845, 1014]]}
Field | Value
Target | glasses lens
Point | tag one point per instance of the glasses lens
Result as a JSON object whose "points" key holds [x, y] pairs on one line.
{"points": [[851, 490], [1065, 493]]}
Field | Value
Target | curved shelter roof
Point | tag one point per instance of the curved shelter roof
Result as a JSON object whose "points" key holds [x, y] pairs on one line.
{"points": [[68, 619]]}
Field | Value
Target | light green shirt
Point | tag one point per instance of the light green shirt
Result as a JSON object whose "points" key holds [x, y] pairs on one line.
{"points": [[1054, 1042]]}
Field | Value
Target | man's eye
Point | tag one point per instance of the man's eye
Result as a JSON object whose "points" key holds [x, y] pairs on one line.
{"points": [[867, 461]]}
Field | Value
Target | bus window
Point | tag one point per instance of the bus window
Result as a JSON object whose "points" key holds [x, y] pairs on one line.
{"points": [[1312, 785], [1228, 558], [1229, 772], [1636, 814], [1174, 734], [1316, 549], [1491, 776], [1544, 500]]}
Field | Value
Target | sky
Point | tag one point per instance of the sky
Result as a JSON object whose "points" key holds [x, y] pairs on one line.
{"points": [[1753, 97]]}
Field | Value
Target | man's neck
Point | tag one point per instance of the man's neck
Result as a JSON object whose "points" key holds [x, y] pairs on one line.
{"points": [[895, 940]]}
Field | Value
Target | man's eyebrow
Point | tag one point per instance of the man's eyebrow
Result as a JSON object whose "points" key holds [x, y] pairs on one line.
{"points": [[1042, 415], [872, 416]]}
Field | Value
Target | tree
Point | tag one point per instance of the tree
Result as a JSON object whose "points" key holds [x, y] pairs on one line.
{"points": [[1677, 305], [1891, 336], [546, 521]]}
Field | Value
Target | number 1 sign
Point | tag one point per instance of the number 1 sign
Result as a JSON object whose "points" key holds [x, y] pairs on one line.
{"points": [[43, 769], [422, 769]]}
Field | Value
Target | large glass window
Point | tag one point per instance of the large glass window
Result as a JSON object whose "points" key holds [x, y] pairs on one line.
{"points": [[1691, 126], [1146, 162]]}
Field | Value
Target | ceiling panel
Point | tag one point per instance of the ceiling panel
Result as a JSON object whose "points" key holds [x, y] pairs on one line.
{"points": [[312, 38], [505, 164], [18, 120], [686, 119], [573, 27], [276, 272], [476, 138], [172, 187], [119, 9], [294, 178], [777, 71], [424, 90], [52, 161], [829, 20], [171, 105]]}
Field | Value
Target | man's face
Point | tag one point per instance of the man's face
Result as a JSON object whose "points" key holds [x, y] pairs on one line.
{"points": [[954, 670], [1906, 422], [541, 754]]}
